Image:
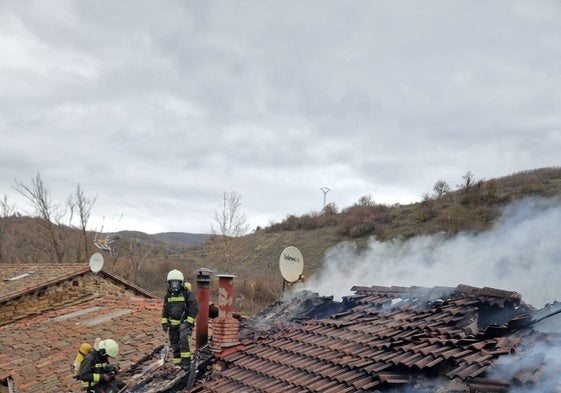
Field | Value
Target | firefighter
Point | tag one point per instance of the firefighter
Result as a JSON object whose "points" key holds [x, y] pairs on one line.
{"points": [[178, 317], [97, 373]]}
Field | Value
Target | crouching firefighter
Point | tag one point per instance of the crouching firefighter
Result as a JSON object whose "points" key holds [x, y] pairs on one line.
{"points": [[97, 373], [178, 317]]}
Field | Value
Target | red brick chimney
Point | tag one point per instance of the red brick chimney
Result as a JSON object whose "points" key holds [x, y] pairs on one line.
{"points": [[225, 327]]}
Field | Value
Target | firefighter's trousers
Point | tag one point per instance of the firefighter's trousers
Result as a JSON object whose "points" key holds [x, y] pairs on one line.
{"points": [[179, 341]]}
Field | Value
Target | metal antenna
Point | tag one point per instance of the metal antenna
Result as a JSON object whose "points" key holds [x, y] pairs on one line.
{"points": [[325, 191]]}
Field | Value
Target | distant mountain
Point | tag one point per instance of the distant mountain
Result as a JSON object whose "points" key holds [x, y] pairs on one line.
{"points": [[188, 239]]}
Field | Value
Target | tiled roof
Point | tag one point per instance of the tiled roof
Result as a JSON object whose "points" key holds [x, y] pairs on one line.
{"points": [[37, 352], [20, 279], [383, 337], [376, 339]]}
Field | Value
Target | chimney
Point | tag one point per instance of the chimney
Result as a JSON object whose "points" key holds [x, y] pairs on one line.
{"points": [[225, 295], [225, 327], [203, 284]]}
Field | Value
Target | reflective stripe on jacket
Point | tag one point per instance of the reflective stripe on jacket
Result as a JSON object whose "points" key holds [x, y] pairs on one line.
{"points": [[179, 307], [91, 369]]}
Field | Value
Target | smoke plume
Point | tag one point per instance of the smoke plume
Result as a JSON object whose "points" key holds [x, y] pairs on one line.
{"points": [[521, 252]]}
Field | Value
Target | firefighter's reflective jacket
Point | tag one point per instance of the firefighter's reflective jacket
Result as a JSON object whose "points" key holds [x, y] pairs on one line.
{"points": [[180, 306], [91, 369]]}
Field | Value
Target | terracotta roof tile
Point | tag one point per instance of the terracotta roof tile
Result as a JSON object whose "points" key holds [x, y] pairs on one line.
{"points": [[38, 351], [383, 337], [19, 279], [16, 279]]}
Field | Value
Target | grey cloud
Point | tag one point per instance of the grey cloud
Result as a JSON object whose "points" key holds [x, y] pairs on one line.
{"points": [[182, 100]]}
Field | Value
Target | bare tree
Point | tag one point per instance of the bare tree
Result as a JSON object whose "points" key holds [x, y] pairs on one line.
{"points": [[468, 181], [6, 212], [84, 206], [131, 255], [440, 188], [138, 253], [471, 189], [50, 215], [366, 200], [229, 223]]}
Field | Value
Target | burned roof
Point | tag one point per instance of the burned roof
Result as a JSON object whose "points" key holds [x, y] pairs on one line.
{"points": [[378, 339], [382, 338]]}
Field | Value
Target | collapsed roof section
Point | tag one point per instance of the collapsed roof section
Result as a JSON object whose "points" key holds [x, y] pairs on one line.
{"points": [[382, 338]]}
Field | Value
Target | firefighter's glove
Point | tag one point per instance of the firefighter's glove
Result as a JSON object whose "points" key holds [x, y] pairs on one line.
{"points": [[112, 369], [107, 377], [165, 327]]}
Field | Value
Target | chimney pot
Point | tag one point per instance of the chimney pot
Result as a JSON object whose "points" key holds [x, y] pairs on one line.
{"points": [[225, 295]]}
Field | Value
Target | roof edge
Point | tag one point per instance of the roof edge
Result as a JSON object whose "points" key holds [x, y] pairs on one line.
{"points": [[80, 270]]}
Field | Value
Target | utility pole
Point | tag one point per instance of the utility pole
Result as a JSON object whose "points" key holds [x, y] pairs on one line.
{"points": [[325, 191]]}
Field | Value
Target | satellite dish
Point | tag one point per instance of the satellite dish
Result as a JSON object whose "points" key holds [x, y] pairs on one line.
{"points": [[291, 264], [96, 262]]}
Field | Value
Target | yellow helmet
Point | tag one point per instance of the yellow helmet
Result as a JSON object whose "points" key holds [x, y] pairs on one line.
{"points": [[109, 347], [175, 275]]}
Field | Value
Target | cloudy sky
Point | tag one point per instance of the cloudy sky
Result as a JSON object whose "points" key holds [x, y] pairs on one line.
{"points": [[158, 108]]}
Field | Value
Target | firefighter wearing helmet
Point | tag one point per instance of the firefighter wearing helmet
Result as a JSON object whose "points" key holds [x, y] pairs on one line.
{"points": [[97, 373], [178, 317]]}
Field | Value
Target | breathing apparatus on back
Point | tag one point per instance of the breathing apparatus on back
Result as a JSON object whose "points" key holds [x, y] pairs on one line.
{"points": [[84, 349]]}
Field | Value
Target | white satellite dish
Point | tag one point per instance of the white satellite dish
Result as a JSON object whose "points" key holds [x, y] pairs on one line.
{"points": [[291, 264], [96, 262]]}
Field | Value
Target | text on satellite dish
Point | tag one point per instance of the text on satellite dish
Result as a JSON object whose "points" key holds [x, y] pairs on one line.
{"points": [[288, 257]]}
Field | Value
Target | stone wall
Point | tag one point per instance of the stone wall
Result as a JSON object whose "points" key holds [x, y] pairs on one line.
{"points": [[63, 293]]}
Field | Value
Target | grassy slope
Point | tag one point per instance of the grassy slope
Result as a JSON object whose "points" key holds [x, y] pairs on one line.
{"points": [[455, 212]]}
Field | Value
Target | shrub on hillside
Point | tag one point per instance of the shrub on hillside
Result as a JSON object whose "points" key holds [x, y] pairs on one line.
{"points": [[427, 210], [253, 295], [359, 220], [305, 222]]}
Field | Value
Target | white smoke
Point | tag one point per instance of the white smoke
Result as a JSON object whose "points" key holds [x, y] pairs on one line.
{"points": [[521, 252], [544, 356]]}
